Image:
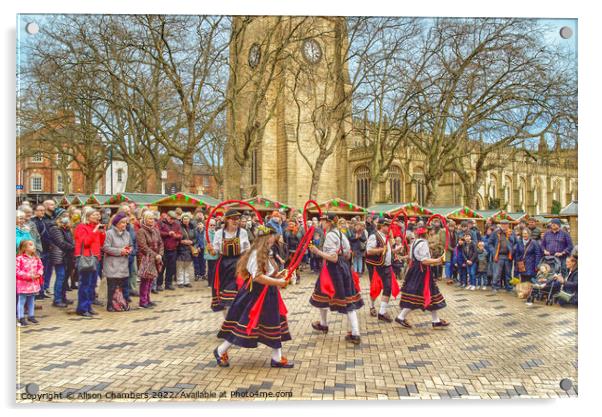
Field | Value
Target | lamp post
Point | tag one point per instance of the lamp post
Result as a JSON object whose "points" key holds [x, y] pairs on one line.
{"points": [[111, 165]]}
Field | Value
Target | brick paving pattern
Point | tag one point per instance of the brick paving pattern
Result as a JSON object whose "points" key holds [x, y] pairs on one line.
{"points": [[166, 353]]}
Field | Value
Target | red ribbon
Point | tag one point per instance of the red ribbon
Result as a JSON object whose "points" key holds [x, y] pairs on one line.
{"points": [[376, 286], [356, 281], [223, 203], [326, 285], [307, 203], [255, 311], [239, 282], [426, 291], [216, 279], [405, 227], [394, 285], [298, 255]]}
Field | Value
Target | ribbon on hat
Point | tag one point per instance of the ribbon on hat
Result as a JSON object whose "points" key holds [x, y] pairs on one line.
{"points": [[223, 203]]}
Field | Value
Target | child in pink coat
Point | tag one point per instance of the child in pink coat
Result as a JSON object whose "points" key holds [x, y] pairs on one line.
{"points": [[29, 278]]}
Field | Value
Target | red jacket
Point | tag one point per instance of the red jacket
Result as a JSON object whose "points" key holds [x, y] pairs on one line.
{"points": [[92, 242], [170, 242]]}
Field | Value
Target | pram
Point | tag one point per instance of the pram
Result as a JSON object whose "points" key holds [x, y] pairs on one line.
{"points": [[546, 290]]}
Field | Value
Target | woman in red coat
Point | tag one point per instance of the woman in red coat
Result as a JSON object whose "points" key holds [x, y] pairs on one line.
{"points": [[89, 238]]}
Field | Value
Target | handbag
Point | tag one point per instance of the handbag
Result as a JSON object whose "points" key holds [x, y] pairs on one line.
{"points": [[86, 263], [520, 265], [195, 251], [148, 268]]}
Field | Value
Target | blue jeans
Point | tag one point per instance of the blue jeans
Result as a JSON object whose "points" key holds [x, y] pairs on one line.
{"points": [[358, 264], [30, 301], [501, 268], [85, 291], [200, 268], [59, 283], [47, 263], [471, 271], [463, 276], [481, 279]]}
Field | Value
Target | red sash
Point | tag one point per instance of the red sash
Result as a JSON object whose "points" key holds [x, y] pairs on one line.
{"points": [[426, 291], [216, 279], [376, 286], [356, 281], [326, 285], [394, 285], [257, 308]]}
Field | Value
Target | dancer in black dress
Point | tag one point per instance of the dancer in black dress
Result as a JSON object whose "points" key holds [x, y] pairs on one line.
{"points": [[258, 314], [335, 288], [230, 242], [419, 290]]}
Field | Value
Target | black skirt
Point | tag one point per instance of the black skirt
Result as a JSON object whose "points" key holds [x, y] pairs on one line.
{"points": [[345, 298], [272, 328], [227, 283], [413, 289]]}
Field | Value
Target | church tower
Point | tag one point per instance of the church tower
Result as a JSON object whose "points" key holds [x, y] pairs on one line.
{"points": [[288, 107]]}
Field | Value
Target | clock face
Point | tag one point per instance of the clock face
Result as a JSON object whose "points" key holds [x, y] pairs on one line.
{"points": [[312, 51], [254, 55]]}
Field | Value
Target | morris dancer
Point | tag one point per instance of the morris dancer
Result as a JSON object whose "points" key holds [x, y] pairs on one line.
{"points": [[258, 269], [379, 257], [419, 288], [230, 242], [335, 288]]}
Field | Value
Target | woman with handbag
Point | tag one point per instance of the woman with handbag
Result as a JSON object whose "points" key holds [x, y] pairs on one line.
{"points": [[89, 238], [187, 249], [527, 255], [117, 248], [150, 253]]}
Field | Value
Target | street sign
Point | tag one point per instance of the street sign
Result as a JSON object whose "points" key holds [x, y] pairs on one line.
{"points": [[19, 186]]}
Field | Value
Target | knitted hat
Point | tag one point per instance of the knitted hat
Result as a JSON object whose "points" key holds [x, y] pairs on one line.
{"points": [[118, 217]]}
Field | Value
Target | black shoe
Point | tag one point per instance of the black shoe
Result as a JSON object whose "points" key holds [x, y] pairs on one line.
{"points": [[45, 296], [197, 277], [154, 292], [22, 322], [353, 339], [147, 306], [373, 312], [110, 309], [97, 302], [40, 297], [317, 326], [440, 324], [74, 287], [180, 285], [59, 305], [150, 303], [93, 312], [403, 322], [69, 289], [221, 360], [188, 285], [284, 363], [159, 288], [385, 317], [170, 287], [129, 299], [32, 320], [68, 302], [84, 314]]}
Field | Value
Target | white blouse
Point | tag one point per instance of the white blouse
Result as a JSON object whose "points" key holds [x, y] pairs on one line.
{"points": [[242, 236], [372, 244], [332, 243], [421, 250], [253, 268]]}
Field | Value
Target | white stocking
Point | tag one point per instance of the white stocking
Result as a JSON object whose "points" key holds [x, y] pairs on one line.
{"points": [[277, 354], [324, 316], [355, 324], [404, 313], [435, 316], [223, 348]]}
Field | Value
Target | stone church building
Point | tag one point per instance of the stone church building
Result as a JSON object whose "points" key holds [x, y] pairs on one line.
{"points": [[311, 73]]}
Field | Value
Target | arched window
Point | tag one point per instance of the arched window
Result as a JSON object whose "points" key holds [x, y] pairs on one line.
{"points": [[537, 196], [420, 187], [362, 186], [395, 184], [60, 186], [36, 182], [508, 192], [522, 194]]}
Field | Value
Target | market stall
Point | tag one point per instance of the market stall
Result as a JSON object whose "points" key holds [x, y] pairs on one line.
{"points": [[340, 207]]}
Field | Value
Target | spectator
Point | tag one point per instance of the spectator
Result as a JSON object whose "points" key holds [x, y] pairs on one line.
{"points": [[358, 247], [558, 243], [532, 226], [459, 262], [117, 248], [61, 250], [469, 253], [23, 232], [187, 249], [449, 254], [29, 272], [474, 232], [370, 226], [150, 253], [527, 255], [482, 266], [171, 233], [275, 222], [292, 237], [569, 284], [200, 267], [89, 238], [211, 256], [501, 247], [33, 230]]}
